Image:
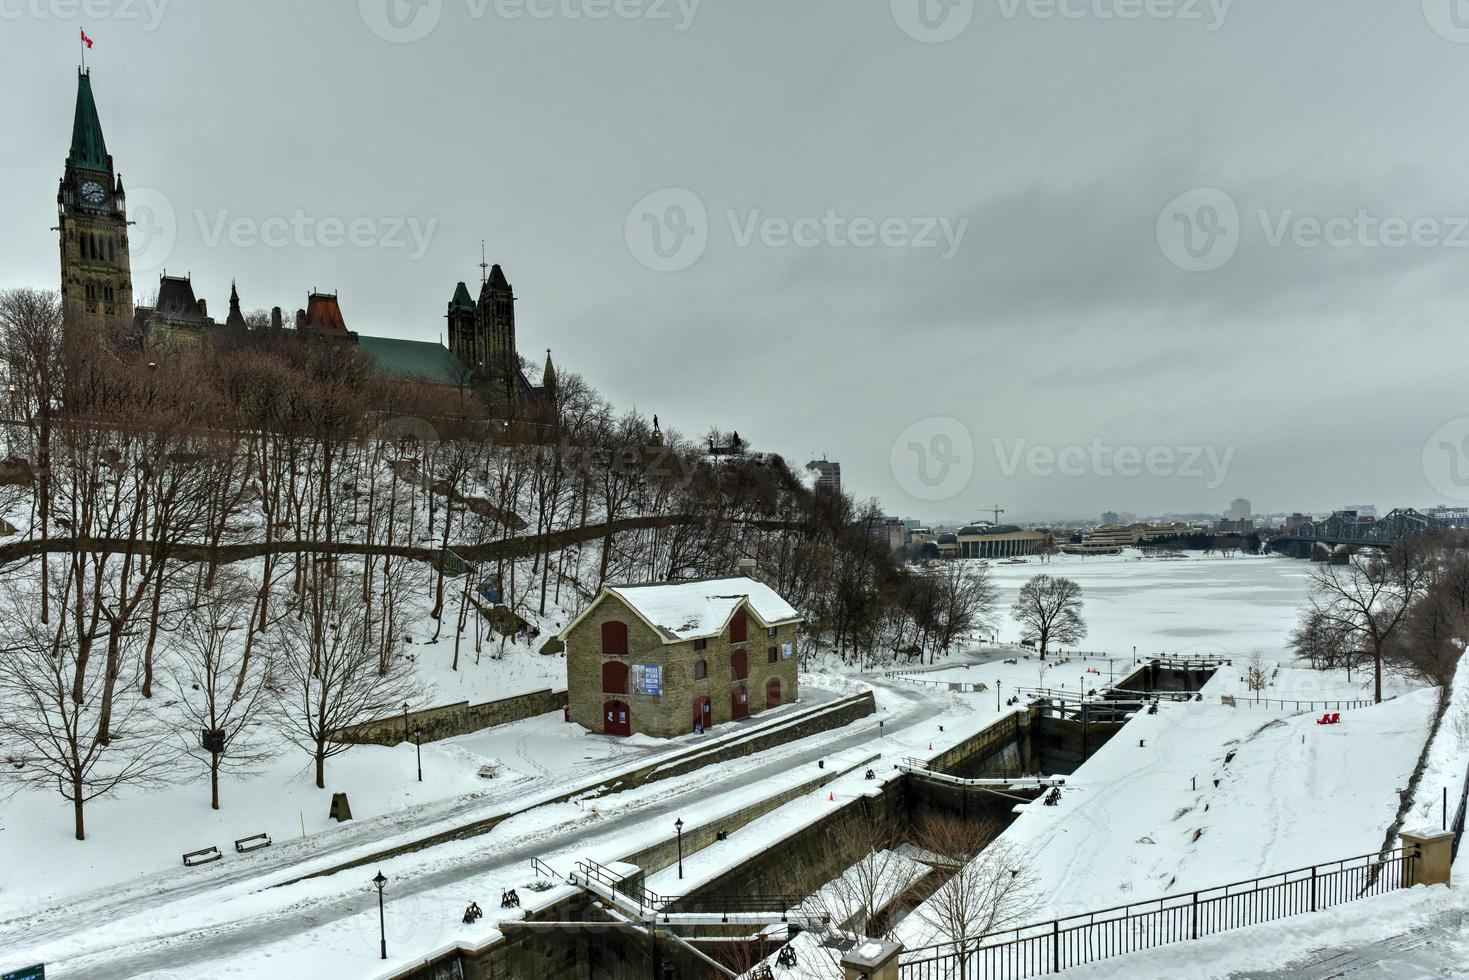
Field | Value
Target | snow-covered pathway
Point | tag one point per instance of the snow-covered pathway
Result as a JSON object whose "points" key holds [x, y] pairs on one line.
{"points": [[250, 922]]}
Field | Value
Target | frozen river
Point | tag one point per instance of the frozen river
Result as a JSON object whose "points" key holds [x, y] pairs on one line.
{"points": [[1192, 605]]}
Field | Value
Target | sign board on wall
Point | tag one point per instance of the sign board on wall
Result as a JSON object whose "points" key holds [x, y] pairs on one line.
{"points": [[787, 650], [647, 679]]}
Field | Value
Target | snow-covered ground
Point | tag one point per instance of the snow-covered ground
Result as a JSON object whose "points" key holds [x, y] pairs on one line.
{"points": [[1294, 793], [1138, 821], [1194, 605]]}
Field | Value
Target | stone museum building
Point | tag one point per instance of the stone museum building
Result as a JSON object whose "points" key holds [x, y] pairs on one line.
{"points": [[671, 658]]}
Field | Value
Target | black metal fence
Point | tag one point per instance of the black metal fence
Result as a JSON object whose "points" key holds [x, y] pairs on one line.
{"points": [[1323, 704], [1048, 947], [1457, 826]]}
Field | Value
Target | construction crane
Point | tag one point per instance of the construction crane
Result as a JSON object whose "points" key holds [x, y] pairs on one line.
{"points": [[997, 510]]}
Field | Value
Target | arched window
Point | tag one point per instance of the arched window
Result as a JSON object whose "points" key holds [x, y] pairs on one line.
{"points": [[739, 665], [614, 638], [772, 655], [614, 677], [701, 669], [737, 628]]}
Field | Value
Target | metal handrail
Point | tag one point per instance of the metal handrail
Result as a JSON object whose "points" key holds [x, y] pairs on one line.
{"points": [[1193, 913]]}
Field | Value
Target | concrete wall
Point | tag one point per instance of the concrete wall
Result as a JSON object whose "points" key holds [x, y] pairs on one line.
{"points": [[672, 712], [449, 720], [1003, 748], [853, 708], [664, 854]]}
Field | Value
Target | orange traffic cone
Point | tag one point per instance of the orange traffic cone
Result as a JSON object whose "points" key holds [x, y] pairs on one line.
{"points": [[930, 746], [831, 797]]}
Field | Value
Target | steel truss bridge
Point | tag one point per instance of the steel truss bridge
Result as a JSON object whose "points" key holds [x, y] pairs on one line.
{"points": [[1345, 529]]}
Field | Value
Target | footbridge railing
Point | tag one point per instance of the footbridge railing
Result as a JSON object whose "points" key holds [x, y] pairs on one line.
{"points": [[1049, 947], [917, 767], [644, 903]]}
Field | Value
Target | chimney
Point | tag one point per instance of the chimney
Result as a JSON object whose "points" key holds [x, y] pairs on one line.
{"points": [[203, 308], [747, 567]]}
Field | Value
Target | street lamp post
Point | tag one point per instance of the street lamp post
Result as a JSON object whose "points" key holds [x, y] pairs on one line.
{"points": [[405, 721], [678, 826], [382, 930], [997, 695], [418, 747]]}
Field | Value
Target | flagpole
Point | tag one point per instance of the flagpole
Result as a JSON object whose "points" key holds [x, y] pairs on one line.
{"points": [[81, 42]]}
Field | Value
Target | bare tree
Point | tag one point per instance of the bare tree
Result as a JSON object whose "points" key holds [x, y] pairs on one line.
{"points": [[33, 353], [855, 900], [51, 727], [330, 675], [1049, 608], [227, 719], [1257, 676], [966, 601], [1369, 598], [993, 885]]}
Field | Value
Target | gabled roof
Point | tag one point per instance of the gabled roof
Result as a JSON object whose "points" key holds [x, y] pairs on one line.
{"points": [[679, 611], [88, 149], [414, 359]]}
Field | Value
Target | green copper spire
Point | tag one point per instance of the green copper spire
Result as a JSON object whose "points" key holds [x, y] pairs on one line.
{"points": [[88, 149], [461, 298]]}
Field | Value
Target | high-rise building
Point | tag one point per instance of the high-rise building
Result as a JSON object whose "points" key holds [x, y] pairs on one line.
{"points": [[828, 475], [1239, 510], [1111, 518]]}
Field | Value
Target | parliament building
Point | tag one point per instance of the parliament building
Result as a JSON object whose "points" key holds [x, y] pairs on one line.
{"points": [[97, 291]]}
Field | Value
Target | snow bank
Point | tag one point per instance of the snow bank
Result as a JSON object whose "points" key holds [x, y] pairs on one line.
{"points": [[1201, 794]]}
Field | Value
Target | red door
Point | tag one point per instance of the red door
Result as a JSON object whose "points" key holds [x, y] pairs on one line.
{"points": [[772, 693], [616, 718], [703, 715], [739, 703]]}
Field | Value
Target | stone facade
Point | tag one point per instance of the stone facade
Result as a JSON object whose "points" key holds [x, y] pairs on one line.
{"points": [[673, 711]]}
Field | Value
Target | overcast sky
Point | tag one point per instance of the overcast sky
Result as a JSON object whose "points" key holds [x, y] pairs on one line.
{"points": [[994, 252]]}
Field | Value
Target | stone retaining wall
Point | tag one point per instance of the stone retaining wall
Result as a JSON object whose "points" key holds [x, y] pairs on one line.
{"points": [[449, 720]]}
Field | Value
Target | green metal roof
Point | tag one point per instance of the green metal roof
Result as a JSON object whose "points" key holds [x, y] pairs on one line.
{"points": [[461, 298], [414, 359], [88, 149]]}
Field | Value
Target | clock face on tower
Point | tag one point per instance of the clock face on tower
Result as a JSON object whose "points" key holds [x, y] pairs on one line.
{"points": [[93, 192]]}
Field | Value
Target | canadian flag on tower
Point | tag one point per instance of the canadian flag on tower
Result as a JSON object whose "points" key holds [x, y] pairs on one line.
{"points": [[86, 40]]}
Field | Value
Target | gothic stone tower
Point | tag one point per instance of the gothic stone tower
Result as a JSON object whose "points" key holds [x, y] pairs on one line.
{"points": [[495, 318], [463, 338], [96, 279]]}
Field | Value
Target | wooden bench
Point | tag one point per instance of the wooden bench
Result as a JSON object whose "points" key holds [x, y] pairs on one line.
{"points": [[254, 843], [206, 856]]}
